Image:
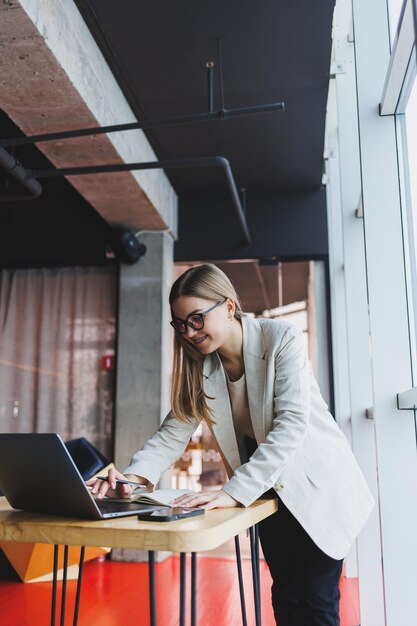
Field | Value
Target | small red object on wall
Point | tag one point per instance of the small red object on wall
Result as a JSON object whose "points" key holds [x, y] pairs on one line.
{"points": [[107, 362]]}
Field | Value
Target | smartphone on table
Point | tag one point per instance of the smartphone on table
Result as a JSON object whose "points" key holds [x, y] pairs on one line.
{"points": [[169, 514]]}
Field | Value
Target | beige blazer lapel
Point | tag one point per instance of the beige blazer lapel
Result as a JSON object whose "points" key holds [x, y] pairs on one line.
{"points": [[254, 351], [215, 387]]}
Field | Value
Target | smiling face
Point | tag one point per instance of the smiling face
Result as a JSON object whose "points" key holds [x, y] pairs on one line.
{"points": [[217, 328]]}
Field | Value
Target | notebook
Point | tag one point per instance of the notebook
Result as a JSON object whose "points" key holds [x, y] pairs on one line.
{"points": [[159, 496], [38, 475]]}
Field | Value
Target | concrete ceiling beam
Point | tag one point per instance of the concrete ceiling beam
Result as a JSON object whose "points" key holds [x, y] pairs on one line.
{"points": [[54, 77]]}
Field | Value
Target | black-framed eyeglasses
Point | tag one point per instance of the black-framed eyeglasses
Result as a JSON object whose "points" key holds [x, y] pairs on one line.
{"points": [[194, 320]]}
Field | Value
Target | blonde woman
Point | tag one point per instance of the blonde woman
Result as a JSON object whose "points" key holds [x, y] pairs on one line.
{"points": [[250, 381]]}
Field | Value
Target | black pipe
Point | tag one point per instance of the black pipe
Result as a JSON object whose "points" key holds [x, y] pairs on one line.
{"points": [[221, 89], [215, 161], [210, 66], [30, 188], [235, 196], [243, 192], [162, 121]]}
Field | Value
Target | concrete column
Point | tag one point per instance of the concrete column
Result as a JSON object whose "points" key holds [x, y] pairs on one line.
{"points": [[144, 355], [144, 346]]}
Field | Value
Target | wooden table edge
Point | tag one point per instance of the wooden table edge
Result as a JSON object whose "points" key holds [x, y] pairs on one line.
{"points": [[190, 535]]}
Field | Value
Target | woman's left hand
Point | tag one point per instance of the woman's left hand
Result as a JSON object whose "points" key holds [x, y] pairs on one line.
{"points": [[217, 499]]}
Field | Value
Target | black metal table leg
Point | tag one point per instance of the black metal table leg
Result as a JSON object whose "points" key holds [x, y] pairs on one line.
{"points": [[240, 577], [64, 586], [193, 589], [79, 583], [257, 558], [182, 588], [54, 584], [255, 577], [152, 593]]}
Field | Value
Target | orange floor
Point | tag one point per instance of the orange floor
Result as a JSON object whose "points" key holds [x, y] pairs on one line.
{"points": [[116, 594]]}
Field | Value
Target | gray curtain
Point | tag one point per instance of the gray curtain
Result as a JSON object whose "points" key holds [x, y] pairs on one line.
{"points": [[56, 325]]}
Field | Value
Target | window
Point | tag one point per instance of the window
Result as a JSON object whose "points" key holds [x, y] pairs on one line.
{"points": [[407, 139], [394, 10]]}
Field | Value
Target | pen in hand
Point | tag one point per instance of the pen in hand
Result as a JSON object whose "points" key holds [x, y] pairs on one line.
{"points": [[124, 482]]}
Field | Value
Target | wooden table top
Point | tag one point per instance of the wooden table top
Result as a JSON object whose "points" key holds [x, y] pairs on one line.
{"points": [[195, 534]]}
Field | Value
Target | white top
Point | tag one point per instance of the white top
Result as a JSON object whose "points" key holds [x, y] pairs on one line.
{"points": [[242, 422]]}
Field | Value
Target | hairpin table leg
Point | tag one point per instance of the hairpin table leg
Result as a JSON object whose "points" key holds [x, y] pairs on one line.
{"points": [[240, 577], [257, 558], [79, 583], [54, 584], [64, 586], [152, 594], [255, 575], [182, 588], [193, 589]]}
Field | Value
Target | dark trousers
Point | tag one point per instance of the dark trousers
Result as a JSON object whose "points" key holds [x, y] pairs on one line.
{"points": [[305, 580], [305, 589]]}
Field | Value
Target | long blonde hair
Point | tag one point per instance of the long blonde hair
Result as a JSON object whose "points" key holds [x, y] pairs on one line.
{"points": [[188, 400]]}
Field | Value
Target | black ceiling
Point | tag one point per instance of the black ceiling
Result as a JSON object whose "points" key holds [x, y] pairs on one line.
{"points": [[271, 52]]}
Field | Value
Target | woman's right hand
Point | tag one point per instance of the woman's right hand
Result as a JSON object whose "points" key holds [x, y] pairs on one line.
{"points": [[109, 487]]}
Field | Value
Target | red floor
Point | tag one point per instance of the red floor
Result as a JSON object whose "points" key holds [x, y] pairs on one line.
{"points": [[116, 594]]}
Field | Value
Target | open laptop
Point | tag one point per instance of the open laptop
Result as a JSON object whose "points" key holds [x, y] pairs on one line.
{"points": [[38, 475]]}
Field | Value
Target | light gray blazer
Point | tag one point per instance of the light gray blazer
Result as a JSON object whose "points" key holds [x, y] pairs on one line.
{"points": [[302, 453]]}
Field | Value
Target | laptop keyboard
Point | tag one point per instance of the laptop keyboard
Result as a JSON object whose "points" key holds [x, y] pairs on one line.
{"points": [[109, 506], [112, 506]]}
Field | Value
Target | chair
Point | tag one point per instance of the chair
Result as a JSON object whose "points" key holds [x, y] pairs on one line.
{"points": [[86, 457]]}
